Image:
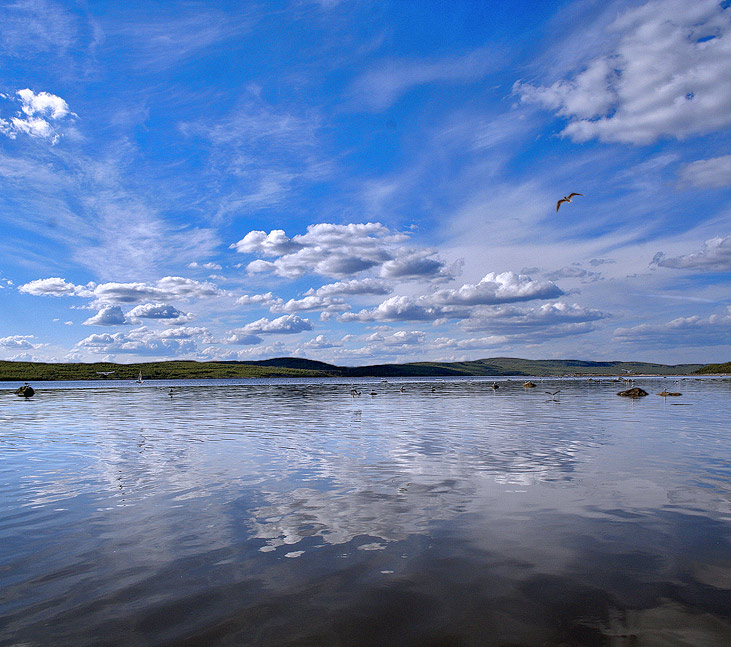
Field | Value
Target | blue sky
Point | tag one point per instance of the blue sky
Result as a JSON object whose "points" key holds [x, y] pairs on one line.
{"points": [[360, 182]]}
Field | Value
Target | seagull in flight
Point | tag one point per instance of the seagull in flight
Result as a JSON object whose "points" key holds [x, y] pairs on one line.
{"points": [[566, 198]]}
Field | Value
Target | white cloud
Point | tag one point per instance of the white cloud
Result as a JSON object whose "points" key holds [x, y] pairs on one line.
{"points": [[669, 75], [683, 331], [352, 287], [204, 266], [242, 338], [555, 319], [43, 104], [400, 338], [16, 342], [52, 287], [340, 251], [109, 316], [473, 343], [714, 257], [414, 264], [495, 288], [266, 300], [37, 117], [313, 302], [406, 308], [188, 332], [157, 311], [275, 243], [714, 173], [284, 325], [167, 288], [140, 341], [320, 342]]}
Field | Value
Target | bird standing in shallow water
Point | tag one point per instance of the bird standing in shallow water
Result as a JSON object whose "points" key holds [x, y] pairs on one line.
{"points": [[566, 198]]}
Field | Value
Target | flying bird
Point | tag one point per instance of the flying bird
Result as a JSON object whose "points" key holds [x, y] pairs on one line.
{"points": [[566, 198]]}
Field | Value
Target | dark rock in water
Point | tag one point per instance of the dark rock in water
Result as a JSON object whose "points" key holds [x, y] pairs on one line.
{"points": [[665, 394], [636, 392], [25, 391]]}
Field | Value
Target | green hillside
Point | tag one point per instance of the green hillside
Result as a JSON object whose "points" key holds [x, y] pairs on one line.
{"points": [[712, 369], [28, 371], [300, 367]]}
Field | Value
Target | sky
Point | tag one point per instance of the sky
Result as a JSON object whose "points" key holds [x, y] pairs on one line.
{"points": [[361, 182]]}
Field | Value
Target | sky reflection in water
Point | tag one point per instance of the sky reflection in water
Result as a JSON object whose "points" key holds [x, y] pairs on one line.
{"points": [[292, 513]]}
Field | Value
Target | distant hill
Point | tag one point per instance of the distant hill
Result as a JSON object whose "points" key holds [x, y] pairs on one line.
{"points": [[300, 367], [711, 369]]}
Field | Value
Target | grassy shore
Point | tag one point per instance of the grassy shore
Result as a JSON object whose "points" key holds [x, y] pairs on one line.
{"points": [[298, 367]]}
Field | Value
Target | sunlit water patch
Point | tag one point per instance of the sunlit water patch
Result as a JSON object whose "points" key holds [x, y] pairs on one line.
{"points": [[433, 512]]}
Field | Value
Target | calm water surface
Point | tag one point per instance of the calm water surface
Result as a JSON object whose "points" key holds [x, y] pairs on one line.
{"points": [[291, 513]]}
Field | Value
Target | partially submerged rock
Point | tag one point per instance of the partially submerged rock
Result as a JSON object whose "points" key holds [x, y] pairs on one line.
{"points": [[635, 392], [665, 394], [528, 385], [25, 391]]}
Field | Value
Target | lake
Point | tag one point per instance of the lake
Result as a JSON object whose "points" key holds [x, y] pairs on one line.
{"points": [[435, 512]]}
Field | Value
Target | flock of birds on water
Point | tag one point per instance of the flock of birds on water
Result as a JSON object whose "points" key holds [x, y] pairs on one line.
{"points": [[26, 391], [633, 392]]}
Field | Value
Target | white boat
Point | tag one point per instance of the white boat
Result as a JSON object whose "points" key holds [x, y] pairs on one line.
{"points": [[139, 378]]}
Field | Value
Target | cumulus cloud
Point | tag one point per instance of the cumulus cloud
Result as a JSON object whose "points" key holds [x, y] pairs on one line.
{"points": [[458, 303], [109, 316], [556, 319], [168, 288], [157, 311], [340, 251], [203, 266], [313, 302], [319, 343], [413, 264], [683, 331], [284, 325], [474, 343], [406, 308], [669, 74], [265, 300], [400, 338], [495, 288], [52, 287], [714, 257], [353, 287], [39, 116], [275, 243], [713, 173], [17, 342], [243, 339], [140, 341]]}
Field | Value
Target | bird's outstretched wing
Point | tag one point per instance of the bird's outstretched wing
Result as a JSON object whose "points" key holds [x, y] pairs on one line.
{"points": [[571, 195], [558, 204]]}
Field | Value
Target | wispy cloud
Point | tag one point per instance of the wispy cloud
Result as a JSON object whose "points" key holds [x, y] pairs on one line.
{"points": [[169, 36], [387, 81]]}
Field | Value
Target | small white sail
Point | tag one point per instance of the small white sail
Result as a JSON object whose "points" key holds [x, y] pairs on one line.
{"points": [[139, 378]]}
